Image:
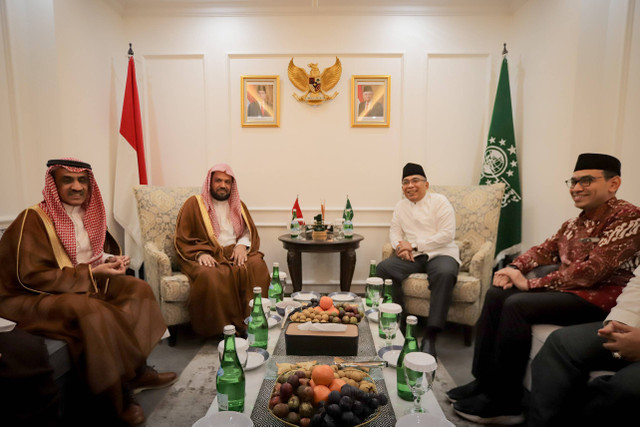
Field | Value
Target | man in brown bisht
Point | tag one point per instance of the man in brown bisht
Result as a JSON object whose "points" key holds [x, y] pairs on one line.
{"points": [[218, 248], [62, 276]]}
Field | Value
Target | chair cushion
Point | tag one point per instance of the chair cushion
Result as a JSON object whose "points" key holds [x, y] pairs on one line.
{"points": [[467, 288], [174, 288]]}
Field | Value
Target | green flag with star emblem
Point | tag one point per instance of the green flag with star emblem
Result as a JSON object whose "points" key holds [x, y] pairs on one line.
{"points": [[500, 165]]}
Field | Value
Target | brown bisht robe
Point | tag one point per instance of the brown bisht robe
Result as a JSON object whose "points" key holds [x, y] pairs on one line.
{"points": [[219, 295], [110, 324]]}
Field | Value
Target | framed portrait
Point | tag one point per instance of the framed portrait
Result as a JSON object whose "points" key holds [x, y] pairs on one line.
{"points": [[260, 101], [370, 101]]}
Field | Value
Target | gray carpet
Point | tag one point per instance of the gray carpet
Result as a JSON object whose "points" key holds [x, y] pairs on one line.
{"points": [[190, 397]]}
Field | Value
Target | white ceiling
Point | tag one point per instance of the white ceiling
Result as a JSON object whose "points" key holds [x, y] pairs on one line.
{"points": [[314, 7]]}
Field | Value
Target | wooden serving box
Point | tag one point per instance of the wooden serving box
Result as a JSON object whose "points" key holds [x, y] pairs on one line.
{"points": [[316, 343]]}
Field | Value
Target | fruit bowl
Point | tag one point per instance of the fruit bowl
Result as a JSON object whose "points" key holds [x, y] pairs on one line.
{"points": [[296, 399]]}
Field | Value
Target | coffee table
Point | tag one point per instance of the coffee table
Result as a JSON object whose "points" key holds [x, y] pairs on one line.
{"points": [[346, 247], [255, 377]]}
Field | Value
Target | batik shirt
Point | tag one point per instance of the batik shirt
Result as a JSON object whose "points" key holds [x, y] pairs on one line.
{"points": [[597, 253]]}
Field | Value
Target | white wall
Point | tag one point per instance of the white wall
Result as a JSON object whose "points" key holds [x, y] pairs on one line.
{"points": [[574, 69]]}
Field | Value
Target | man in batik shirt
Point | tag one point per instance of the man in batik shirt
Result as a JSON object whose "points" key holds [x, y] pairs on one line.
{"points": [[218, 249], [62, 276], [588, 262]]}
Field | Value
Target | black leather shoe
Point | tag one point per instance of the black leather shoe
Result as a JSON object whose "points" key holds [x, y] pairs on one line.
{"points": [[429, 346], [464, 391]]}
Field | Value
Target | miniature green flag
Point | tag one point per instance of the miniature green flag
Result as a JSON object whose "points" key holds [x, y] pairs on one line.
{"points": [[500, 165], [348, 211]]}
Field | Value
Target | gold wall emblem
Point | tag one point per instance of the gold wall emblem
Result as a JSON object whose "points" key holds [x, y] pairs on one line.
{"points": [[315, 84]]}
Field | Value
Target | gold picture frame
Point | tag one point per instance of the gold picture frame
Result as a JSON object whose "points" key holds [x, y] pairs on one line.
{"points": [[260, 103], [370, 101]]}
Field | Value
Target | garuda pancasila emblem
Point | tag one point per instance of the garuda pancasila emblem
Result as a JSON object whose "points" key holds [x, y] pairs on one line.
{"points": [[315, 84]]}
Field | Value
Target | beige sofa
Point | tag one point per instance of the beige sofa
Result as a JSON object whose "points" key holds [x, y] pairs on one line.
{"points": [[158, 209], [477, 210]]}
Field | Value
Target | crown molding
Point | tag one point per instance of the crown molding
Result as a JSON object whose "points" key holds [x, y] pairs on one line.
{"points": [[229, 8]]}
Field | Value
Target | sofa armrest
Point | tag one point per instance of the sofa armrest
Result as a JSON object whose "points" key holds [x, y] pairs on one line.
{"points": [[156, 266], [482, 264], [387, 250]]}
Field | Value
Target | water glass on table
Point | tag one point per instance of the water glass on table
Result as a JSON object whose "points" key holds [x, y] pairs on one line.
{"points": [[388, 321], [374, 291], [419, 372]]}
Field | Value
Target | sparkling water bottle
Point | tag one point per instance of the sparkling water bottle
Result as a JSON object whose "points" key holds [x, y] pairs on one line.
{"points": [[410, 345], [347, 229], [386, 297], [258, 331], [295, 227], [276, 292], [372, 273], [230, 380]]}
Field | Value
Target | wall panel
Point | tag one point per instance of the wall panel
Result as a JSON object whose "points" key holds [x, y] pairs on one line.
{"points": [[176, 118]]}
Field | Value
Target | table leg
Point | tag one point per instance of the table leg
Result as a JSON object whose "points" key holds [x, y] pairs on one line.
{"points": [[294, 261], [347, 266]]}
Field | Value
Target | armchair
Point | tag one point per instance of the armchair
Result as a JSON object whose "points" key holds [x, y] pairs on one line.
{"points": [[158, 209], [477, 210]]}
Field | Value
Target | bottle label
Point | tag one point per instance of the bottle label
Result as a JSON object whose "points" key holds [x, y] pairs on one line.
{"points": [[251, 338], [223, 402]]}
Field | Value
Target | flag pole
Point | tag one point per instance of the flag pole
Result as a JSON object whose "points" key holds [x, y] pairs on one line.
{"points": [[130, 52]]}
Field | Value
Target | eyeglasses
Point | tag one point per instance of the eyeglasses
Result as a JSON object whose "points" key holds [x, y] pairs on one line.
{"points": [[584, 181], [414, 181]]}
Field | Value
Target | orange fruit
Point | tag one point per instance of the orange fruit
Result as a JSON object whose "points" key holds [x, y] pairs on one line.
{"points": [[336, 384], [322, 375], [320, 392], [326, 303], [312, 384]]}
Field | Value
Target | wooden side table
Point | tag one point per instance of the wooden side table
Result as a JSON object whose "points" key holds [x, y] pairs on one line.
{"points": [[346, 247]]}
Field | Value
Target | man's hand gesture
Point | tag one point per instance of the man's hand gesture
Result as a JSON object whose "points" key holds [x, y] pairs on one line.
{"points": [[508, 277], [207, 260], [404, 250], [239, 255]]}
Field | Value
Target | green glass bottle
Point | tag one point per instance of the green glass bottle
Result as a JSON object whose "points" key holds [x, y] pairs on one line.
{"points": [[230, 380], [258, 331], [387, 293], [372, 273], [386, 297], [410, 345], [276, 293], [347, 229], [295, 227]]}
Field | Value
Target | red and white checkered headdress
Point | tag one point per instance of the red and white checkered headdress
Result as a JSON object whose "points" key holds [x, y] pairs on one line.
{"points": [[95, 219], [235, 208]]}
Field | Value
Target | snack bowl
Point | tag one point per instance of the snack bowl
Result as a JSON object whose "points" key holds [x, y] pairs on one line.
{"points": [[282, 305], [364, 391]]}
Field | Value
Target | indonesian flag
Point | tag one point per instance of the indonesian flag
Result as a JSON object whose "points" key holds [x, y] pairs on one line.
{"points": [[130, 169]]}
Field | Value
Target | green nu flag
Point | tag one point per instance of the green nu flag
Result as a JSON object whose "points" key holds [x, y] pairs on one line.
{"points": [[501, 165], [347, 213]]}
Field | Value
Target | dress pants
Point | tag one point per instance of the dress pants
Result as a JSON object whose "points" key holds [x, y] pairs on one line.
{"points": [[561, 393], [503, 341], [443, 274]]}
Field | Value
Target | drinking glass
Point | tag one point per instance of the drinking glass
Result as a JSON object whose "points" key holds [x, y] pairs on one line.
{"points": [[337, 228], [388, 320], [419, 372], [374, 290]]}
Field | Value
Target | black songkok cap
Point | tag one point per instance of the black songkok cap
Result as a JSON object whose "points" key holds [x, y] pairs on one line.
{"points": [[367, 89], [598, 161], [68, 162], [412, 169]]}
